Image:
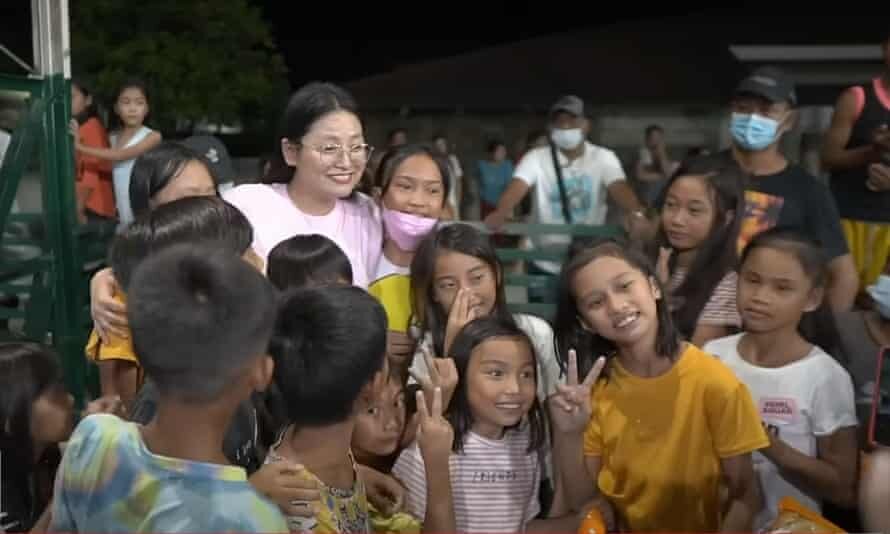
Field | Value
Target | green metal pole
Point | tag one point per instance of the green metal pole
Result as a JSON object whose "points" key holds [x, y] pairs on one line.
{"points": [[61, 224]]}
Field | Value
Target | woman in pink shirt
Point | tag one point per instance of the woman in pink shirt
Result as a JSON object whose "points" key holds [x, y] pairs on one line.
{"points": [[310, 186]]}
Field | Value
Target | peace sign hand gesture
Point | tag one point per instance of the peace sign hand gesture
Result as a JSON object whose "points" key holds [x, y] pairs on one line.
{"points": [[571, 407], [434, 434]]}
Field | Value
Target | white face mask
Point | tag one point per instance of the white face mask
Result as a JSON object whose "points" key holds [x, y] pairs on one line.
{"points": [[567, 139]]}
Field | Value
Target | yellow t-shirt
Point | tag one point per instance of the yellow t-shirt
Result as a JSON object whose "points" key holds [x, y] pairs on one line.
{"points": [[661, 440], [392, 288], [117, 348]]}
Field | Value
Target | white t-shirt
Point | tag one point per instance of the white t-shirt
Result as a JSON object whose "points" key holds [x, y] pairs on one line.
{"points": [[801, 401], [586, 180], [494, 483], [541, 336], [387, 268], [121, 176]]}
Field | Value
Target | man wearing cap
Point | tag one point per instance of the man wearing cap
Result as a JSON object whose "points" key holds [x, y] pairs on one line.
{"points": [[857, 152], [589, 173], [782, 194]]}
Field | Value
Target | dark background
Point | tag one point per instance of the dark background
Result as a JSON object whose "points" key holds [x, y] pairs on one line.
{"points": [[492, 23]]}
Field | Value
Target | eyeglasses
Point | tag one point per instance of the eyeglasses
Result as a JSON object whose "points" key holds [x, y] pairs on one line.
{"points": [[331, 153]]}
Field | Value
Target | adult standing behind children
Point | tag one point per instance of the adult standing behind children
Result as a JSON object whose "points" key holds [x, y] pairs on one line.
{"points": [[781, 194], [857, 152], [574, 191], [310, 187]]}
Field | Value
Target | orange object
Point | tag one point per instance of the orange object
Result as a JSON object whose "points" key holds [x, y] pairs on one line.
{"points": [[593, 523], [795, 517], [93, 174]]}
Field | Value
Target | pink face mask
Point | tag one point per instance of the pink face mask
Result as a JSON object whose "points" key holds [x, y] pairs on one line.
{"points": [[406, 229]]}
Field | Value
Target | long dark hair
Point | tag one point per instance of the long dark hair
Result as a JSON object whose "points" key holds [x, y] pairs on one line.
{"points": [[27, 371], [156, 168], [717, 254], [818, 326], [92, 110], [570, 333], [305, 107], [459, 412], [395, 156], [464, 239]]}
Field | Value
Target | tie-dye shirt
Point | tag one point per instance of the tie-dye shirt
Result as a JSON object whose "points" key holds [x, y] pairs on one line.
{"points": [[110, 482]]}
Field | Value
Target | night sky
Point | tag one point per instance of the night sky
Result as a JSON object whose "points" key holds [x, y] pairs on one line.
{"points": [[495, 22]]}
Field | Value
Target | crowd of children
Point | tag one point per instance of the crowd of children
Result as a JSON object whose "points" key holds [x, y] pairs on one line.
{"points": [[299, 356]]}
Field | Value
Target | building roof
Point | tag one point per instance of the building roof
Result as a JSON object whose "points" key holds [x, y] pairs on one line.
{"points": [[613, 66], [670, 61]]}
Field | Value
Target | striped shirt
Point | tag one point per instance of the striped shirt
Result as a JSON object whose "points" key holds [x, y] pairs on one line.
{"points": [[721, 308], [494, 483]]}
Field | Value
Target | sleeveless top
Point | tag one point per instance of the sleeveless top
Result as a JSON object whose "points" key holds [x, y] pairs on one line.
{"points": [[121, 176], [854, 200]]}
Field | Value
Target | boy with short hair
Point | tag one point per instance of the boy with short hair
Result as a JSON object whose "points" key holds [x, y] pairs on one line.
{"points": [[329, 346], [201, 318]]}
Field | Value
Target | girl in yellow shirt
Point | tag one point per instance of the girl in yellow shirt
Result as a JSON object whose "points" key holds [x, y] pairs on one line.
{"points": [[650, 441]]}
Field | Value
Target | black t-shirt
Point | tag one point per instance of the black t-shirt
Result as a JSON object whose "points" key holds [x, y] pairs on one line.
{"points": [[793, 199], [855, 200], [240, 444]]}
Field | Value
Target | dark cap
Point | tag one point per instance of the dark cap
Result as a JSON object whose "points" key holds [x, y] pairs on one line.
{"points": [[215, 154], [570, 104], [770, 83]]}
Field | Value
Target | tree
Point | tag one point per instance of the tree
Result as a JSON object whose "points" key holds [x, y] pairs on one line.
{"points": [[202, 59]]}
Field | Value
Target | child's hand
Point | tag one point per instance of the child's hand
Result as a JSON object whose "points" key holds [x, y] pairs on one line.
{"points": [[74, 129], [571, 407], [281, 483], [878, 177], [385, 492], [442, 375], [662, 269], [109, 315], [460, 314], [434, 434], [111, 404], [400, 347]]}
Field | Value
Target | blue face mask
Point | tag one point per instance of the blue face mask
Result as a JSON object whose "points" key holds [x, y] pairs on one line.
{"points": [[753, 131], [880, 293]]}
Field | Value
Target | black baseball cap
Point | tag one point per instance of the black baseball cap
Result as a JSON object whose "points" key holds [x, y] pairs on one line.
{"points": [[215, 154], [771, 83], [570, 104]]}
